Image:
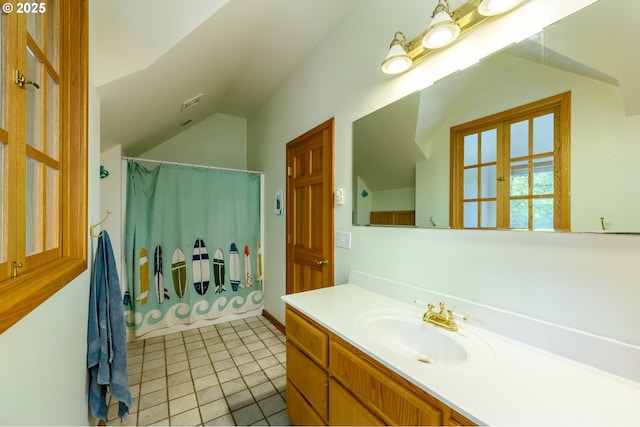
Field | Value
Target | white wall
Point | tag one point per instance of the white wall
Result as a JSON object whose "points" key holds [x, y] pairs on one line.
{"points": [[399, 199], [574, 275], [219, 140], [43, 357], [111, 200]]}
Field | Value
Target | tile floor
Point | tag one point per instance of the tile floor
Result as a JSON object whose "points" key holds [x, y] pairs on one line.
{"points": [[228, 374]]}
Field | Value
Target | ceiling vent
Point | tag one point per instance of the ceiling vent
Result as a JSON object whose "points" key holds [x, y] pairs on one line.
{"points": [[191, 102]]}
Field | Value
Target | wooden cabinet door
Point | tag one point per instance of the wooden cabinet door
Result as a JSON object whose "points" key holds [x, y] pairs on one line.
{"points": [[346, 410], [299, 410]]}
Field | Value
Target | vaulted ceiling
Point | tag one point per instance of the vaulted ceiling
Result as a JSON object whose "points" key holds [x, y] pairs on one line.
{"points": [[149, 56]]}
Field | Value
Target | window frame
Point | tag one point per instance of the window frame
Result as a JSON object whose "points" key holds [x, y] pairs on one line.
{"points": [[24, 293], [562, 209]]}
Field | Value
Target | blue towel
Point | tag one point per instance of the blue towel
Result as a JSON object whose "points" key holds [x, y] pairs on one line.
{"points": [[106, 336]]}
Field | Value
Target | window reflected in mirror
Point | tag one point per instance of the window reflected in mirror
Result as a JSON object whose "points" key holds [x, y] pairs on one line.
{"points": [[509, 169]]}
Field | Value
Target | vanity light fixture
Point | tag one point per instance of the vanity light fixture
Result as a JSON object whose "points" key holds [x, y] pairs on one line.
{"points": [[397, 59], [442, 30], [445, 27]]}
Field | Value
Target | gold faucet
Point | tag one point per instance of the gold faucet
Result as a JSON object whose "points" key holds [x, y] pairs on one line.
{"points": [[440, 319]]}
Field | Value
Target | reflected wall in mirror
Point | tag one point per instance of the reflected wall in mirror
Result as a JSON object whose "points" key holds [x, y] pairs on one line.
{"points": [[402, 152]]}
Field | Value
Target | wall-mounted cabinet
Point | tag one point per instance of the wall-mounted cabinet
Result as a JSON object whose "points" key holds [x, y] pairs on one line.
{"points": [[331, 382]]}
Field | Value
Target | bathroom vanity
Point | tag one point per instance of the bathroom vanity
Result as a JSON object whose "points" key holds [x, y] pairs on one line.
{"points": [[356, 357], [354, 389]]}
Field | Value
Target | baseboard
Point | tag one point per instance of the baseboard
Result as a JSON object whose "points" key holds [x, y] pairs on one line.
{"points": [[273, 320]]}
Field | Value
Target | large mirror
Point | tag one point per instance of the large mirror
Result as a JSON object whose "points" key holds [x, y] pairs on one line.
{"points": [[401, 166]]}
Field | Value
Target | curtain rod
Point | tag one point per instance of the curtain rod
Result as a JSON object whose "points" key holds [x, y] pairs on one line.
{"points": [[189, 165]]}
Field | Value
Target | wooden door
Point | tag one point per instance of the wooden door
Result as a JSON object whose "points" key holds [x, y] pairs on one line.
{"points": [[310, 226]]}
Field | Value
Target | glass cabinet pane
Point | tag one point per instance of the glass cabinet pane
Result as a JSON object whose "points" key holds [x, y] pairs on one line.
{"points": [[53, 33], [35, 23], [34, 209], [53, 122], [34, 102], [52, 208]]}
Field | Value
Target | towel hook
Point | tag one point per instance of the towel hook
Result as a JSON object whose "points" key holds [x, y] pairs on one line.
{"points": [[93, 227]]}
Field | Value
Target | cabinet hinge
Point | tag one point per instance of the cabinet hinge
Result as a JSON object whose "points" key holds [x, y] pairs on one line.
{"points": [[289, 171]]}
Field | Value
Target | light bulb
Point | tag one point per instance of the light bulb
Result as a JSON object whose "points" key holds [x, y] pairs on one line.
{"points": [[496, 7], [442, 31]]}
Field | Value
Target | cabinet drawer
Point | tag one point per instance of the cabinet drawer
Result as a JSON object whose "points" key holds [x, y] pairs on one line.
{"points": [[310, 380], [299, 411], [307, 337], [346, 410], [390, 397]]}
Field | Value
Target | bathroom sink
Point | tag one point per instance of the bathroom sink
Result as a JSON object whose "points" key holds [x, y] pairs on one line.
{"points": [[408, 336]]}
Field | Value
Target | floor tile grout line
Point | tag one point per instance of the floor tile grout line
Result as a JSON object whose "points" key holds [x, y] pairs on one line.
{"points": [[235, 327]]}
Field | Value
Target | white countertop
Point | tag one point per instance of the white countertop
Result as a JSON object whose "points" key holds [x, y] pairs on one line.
{"points": [[517, 385]]}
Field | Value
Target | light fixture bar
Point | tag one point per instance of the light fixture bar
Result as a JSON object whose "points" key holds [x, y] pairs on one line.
{"points": [[466, 16]]}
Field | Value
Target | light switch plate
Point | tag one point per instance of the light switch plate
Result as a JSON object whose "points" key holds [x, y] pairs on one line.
{"points": [[343, 239]]}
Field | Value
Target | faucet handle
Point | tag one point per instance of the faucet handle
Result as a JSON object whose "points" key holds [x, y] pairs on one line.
{"points": [[451, 321], [441, 308]]}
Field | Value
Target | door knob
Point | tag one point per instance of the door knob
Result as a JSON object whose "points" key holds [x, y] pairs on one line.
{"points": [[323, 262]]}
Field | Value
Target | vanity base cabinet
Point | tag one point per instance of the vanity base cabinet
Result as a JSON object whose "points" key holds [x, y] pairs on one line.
{"points": [[390, 397], [307, 377], [329, 381]]}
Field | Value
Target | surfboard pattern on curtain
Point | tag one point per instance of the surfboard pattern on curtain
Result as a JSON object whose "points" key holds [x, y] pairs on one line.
{"points": [[190, 214]]}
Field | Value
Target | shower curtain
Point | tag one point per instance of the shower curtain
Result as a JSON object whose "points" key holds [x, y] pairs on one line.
{"points": [[191, 246]]}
